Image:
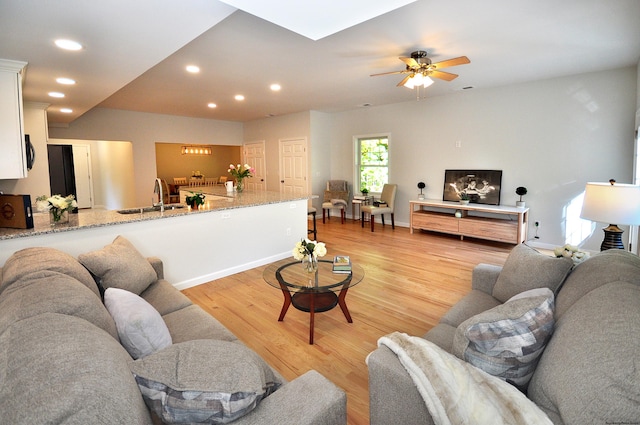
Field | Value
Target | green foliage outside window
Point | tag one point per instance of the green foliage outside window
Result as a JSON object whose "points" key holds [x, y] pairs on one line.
{"points": [[374, 163]]}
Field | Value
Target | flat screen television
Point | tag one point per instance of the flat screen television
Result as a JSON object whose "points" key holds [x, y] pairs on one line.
{"points": [[482, 186]]}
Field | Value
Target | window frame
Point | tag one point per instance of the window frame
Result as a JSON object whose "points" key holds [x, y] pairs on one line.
{"points": [[357, 159]]}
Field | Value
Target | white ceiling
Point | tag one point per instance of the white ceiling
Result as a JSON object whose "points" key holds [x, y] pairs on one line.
{"points": [[135, 52]]}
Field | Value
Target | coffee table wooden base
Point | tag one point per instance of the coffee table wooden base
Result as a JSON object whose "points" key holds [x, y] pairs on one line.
{"points": [[312, 302]]}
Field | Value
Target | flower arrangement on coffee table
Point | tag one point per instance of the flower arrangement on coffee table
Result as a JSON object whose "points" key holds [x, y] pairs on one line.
{"points": [[308, 252]]}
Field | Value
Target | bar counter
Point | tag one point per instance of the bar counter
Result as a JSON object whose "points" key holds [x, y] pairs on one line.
{"points": [[228, 234]]}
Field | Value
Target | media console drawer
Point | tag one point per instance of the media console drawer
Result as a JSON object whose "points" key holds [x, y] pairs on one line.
{"points": [[491, 222]]}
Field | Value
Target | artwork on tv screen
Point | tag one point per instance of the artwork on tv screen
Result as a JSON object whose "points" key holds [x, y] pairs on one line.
{"points": [[482, 186]]}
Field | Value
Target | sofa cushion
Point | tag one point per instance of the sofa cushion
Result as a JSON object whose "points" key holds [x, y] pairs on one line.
{"points": [[59, 369], [589, 372], [608, 266], [475, 302], [31, 260], [203, 381], [526, 269], [192, 323], [120, 265], [140, 327], [48, 291], [164, 297], [508, 340]]}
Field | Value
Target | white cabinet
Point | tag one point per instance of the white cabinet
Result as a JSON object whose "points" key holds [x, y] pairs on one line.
{"points": [[13, 159]]}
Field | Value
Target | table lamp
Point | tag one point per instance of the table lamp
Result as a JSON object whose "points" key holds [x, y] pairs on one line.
{"points": [[612, 203]]}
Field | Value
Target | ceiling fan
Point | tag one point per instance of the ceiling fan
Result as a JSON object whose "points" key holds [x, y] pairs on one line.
{"points": [[419, 66]]}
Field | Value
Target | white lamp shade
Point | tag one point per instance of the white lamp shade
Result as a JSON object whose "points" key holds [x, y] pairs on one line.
{"points": [[613, 204]]}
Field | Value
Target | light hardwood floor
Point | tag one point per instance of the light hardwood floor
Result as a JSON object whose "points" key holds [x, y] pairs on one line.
{"points": [[410, 282]]}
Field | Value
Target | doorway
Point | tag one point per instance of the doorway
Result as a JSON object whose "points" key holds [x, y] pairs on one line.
{"points": [[70, 172], [293, 167], [254, 156]]}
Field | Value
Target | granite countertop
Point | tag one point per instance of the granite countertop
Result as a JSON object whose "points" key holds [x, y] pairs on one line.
{"points": [[216, 199]]}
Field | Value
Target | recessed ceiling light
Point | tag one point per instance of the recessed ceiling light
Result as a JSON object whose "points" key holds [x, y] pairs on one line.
{"points": [[193, 69], [56, 94], [275, 87], [65, 81], [66, 110], [212, 105], [239, 97], [68, 44]]}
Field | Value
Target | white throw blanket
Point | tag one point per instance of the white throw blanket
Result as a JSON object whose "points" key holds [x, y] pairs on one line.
{"points": [[457, 392]]}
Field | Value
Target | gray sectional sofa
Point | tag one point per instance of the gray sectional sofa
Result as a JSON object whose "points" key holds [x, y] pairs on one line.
{"points": [[61, 360], [589, 369]]}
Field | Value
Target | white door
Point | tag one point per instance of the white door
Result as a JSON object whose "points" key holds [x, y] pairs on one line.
{"points": [[82, 171], [254, 156], [293, 166]]}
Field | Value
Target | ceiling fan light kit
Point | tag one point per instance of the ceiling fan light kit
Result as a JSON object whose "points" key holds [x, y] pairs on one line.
{"points": [[420, 69]]}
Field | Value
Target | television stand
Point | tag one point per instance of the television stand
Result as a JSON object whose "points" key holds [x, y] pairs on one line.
{"points": [[491, 222]]}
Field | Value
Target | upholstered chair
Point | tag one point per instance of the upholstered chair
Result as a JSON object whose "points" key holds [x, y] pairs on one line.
{"points": [[336, 197], [389, 196]]}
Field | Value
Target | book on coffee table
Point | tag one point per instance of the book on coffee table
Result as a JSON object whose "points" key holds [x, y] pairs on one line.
{"points": [[341, 264]]}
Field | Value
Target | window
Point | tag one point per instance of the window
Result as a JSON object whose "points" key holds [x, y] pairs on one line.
{"points": [[373, 163]]}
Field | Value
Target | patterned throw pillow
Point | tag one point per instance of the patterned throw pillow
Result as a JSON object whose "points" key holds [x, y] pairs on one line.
{"points": [[141, 329], [203, 381], [508, 340]]}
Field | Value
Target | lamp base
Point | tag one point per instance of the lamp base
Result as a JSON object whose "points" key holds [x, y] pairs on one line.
{"points": [[612, 238]]}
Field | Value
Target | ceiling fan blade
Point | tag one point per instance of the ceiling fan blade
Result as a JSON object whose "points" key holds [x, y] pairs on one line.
{"points": [[443, 75], [388, 73], [404, 80], [451, 62], [410, 62]]}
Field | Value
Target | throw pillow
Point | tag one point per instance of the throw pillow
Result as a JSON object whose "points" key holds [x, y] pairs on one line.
{"points": [[526, 269], [141, 329], [508, 340], [120, 265], [203, 381]]}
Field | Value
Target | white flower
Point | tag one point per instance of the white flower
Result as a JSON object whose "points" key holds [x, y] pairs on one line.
{"points": [[320, 250]]}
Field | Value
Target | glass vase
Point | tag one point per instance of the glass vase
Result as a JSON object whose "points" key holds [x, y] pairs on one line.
{"points": [[57, 216], [310, 263], [239, 185]]}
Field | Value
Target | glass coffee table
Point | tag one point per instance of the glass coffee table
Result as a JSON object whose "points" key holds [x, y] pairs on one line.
{"points": [[312, 292]]}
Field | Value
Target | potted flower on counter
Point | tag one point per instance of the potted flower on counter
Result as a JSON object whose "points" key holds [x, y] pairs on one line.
{"points": [[240, 172], [195, 199], [58, 207]]}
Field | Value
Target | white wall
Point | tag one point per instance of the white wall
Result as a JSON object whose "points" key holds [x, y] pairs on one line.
{"points": [[550, 136], [272, 130], [111, 171], [144, 130]]}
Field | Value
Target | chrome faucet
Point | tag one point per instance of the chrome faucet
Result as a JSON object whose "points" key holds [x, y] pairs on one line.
{"points": [[157, 189]]}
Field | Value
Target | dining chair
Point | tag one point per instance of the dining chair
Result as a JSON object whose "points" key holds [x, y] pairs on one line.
{"points": [[222, 180], [312, 212], [180, 181], [388, 197], [336, 197], [210, 181], [169, 196]]}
